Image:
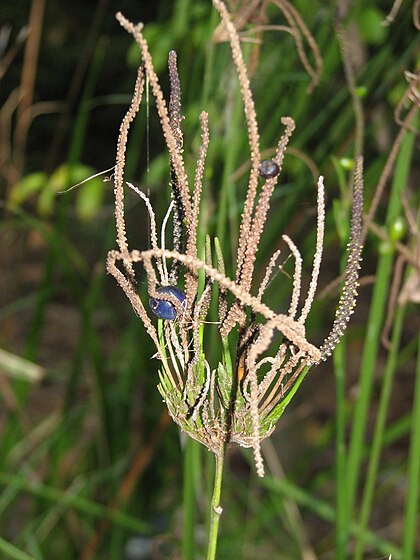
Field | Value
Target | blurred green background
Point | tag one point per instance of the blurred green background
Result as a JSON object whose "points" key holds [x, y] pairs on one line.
{"points": [[90, 465]]}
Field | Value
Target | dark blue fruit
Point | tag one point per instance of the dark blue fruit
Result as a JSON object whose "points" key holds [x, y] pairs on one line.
{"points": [[165, 309]]}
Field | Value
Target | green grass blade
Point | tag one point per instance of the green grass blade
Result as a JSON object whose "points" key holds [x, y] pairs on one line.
{"points": [[374, 326], [71, 500], [341, 522], [191, 472], [413, 476], [13, 552], [378, 436], [326, 512]]}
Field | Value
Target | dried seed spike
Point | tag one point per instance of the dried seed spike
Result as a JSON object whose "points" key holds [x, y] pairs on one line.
{"points": [[175, 116], [255, 350], [253, 135], [136, 31], [347, 300], [119, 170], [153, 233], [177, 236], [283, 381], [176, 356], [207, 250], [198, 182], [136, 303], [222, 291], [169, 280], [262, 208], [191, 277], [203, 394], [290, 328], [297, 276], [318, 251], [203, 303], [236, 314], [268, 378], [392, 13], [267, 275], [175, 119]]}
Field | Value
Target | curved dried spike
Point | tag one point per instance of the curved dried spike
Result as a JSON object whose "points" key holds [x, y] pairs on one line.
{"points": [[204, 393], [136, 303], [153, 232], [152, 282], [175, 356], [297, 276], [292, 368], [180, 351], [200, 310], [253, 134], [280, 387], [191, 278], [222, 310], [203, 303], [171, 142], [263, 341], [240, 19], [175, 116], [168, 278], [175, 119], [318, 251], [256, 443], [211, 396], [235, 313], [347, 300], [291, 329], [269, 377], [119, 169], [392, 13], [198, 183], [267, 275], [263, 205]]}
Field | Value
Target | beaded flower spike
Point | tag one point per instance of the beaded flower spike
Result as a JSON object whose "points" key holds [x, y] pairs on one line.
{"points": [[234, 399]]}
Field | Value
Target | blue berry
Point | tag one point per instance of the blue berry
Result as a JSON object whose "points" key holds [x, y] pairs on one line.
{"points": [[165, 309]]}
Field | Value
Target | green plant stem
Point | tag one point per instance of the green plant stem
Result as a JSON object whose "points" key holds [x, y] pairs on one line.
{"points": [[367, 369], [377, 310], [13, 552], [412, 503], [341, 525], [216, 510], [191, 468], [378, 436]]}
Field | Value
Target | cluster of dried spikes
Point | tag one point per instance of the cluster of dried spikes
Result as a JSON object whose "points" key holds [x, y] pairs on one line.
{"points": [[233, 402]]}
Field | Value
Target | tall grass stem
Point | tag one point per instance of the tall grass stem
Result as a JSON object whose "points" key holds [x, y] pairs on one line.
{"points": [[216, 509], [413, 478]]}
